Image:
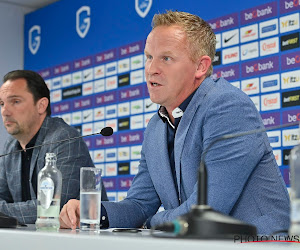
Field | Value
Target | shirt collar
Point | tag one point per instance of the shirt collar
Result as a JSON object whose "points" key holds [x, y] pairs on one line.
{"points": [[177, 113], [32, 141]]}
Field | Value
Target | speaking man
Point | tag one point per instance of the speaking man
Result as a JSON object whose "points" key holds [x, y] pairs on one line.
{"points": [[244, 180], [25, 110]]}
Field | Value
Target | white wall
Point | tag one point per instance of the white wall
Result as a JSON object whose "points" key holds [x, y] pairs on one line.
{"points": [[11, 46]]}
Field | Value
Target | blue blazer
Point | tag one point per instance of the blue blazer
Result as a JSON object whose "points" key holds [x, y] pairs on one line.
{"points": [[244, 180]]}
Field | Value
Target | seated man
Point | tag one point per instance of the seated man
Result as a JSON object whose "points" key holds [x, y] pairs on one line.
{"points": [[25, 110], [244, 180]]}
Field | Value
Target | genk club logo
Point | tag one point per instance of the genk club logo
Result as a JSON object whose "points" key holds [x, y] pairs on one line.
{"points": [[83, 21], [143, 7], [34, 39]]}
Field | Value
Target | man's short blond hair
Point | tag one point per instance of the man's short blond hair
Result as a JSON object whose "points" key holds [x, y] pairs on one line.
{"points": [[201, 38]]}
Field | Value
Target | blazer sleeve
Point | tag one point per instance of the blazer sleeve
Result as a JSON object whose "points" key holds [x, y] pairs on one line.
{"points": [[24, 212], [141, 202]]}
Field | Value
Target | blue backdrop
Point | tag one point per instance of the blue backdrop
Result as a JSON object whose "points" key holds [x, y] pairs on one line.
{"points": [[91, 55]]}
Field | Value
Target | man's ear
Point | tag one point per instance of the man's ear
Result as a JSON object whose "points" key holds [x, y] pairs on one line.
{"points": [[42, 105], [203, 66]]}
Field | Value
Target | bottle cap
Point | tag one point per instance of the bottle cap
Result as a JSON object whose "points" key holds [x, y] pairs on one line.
{"points": [[51, 156]]}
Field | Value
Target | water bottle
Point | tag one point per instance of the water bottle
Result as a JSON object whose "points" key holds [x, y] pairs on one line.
{"points": [[48, 195], [295, 190]]}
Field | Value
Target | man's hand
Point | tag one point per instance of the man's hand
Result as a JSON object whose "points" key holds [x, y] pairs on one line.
{"points": [[70, 215]]}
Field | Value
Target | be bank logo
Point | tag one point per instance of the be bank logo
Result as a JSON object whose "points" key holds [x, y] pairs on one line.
{"points": [[291, 60], [229, 72], [258, 13], [225, 22], [271, 119], [289, 5], [109, 184], [290, 116], [262, 66], [83, 21], [270, 101]]}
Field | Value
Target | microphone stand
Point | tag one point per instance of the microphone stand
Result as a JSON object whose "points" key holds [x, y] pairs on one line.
{"points": [[106, 131], [203, 222]]}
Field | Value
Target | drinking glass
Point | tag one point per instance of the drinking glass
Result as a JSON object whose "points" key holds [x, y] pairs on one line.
{"points": [[90, 198]]}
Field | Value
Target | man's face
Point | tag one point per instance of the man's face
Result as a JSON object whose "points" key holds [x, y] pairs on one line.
{"points": [[170, 72], [19, 112]]}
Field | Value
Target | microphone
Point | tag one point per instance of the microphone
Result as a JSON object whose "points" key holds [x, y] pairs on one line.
{"points": [[202, 222], [107, 131]]}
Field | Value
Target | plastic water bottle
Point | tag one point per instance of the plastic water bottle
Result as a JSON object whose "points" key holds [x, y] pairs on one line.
{"points": [[48, 195], [295, 191]]}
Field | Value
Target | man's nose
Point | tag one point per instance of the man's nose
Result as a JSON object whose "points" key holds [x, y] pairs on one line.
{"points": [[5, 110], [152, 67]]}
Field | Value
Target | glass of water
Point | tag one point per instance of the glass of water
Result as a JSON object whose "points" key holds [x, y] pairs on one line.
{"points": [[90, 198]]}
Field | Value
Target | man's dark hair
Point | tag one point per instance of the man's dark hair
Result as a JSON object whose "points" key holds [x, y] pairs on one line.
{"points": [[35, 84]]}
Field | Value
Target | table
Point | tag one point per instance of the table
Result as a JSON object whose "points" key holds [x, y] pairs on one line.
{"points": [[29, 238]]}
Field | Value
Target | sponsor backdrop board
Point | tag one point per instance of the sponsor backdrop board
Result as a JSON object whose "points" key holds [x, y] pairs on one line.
{"points": [[91, 55]]}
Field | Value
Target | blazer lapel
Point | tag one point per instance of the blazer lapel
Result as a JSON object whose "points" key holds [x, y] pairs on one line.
{"points": [[160, 163], [15, 171], [35, 154], [185, 122]]}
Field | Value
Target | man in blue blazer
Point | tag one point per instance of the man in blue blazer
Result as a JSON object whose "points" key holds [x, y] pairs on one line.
{"points": [[244, 180]]}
